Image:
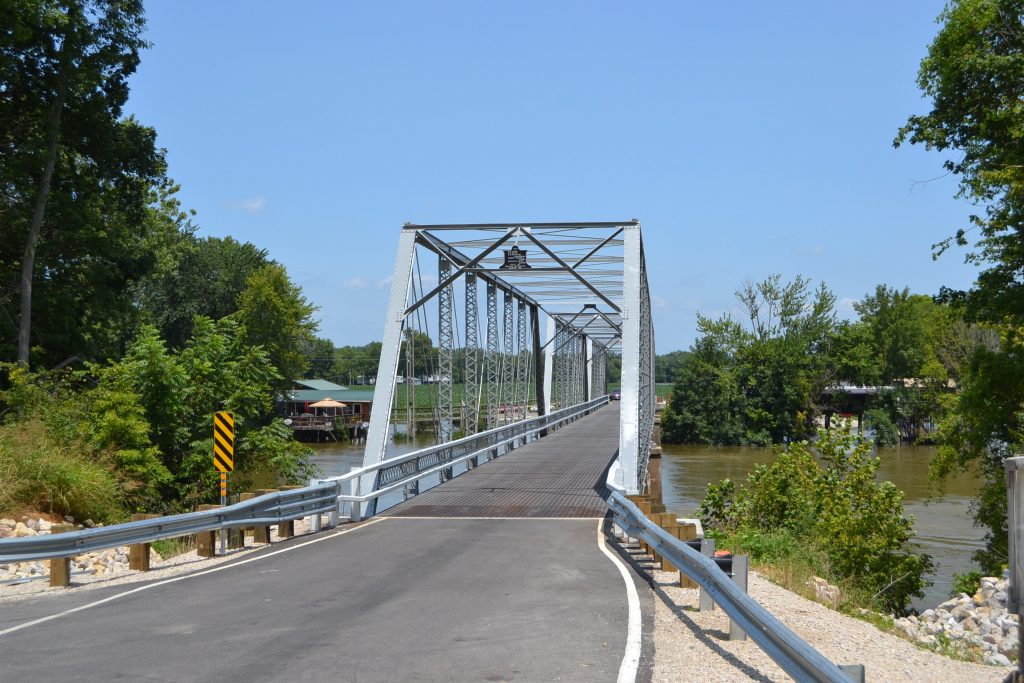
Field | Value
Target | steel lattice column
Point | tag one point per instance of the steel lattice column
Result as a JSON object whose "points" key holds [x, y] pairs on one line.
{"points": [[445, 349], [508, 330], [522, 381], [472, 349], [491, 357]]}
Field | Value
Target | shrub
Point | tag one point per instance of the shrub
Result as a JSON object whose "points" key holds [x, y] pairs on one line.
{"points": [[832, 512], [886, 433]]}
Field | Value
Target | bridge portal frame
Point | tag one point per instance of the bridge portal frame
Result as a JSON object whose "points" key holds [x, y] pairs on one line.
{"points": [[614, 311]]}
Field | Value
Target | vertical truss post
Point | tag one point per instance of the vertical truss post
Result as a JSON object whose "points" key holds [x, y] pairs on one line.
{"points": [[410, 385], [472, 349], [509, 335], [549, 365], [588, 376], [538, 374], [445, 352], [387, 368], [629, 420], [558, 377], [491, 357], [581, 367], [445, 349], [523, 365], [647, 386]]}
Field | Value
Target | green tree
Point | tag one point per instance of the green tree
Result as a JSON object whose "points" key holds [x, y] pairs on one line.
{"points": [[275, 315], [667, 365], [762, 383], [203, 277], [974, 76], [74, 176]]}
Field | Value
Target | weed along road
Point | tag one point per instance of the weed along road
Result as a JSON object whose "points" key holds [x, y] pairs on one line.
{"points": [[449, 597]]}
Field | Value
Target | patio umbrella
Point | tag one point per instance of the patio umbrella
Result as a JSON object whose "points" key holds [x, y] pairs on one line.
{"points": [[329, 403]]}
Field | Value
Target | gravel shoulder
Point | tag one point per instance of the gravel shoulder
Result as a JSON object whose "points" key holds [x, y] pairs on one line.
{"points": [[694, 646]]}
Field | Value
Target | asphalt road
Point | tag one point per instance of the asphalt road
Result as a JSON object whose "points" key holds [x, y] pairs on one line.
{"points": [[452, 599]]}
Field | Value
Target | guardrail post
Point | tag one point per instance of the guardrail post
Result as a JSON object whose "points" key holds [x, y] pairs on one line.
{"points": [[60, 567], [315, 521], [687, 532], [740, 564], [138, 553], [667, 521], [249, 530], [261, 534], [355, 507], [707, 549], [206, 541]]}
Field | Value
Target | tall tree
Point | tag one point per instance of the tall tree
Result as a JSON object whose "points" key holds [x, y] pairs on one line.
{"points": [[68, 159], [974, 77]]}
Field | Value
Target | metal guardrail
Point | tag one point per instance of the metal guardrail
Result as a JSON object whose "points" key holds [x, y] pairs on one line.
{"points": [[267, 509], [323, 495], [792, 653]]}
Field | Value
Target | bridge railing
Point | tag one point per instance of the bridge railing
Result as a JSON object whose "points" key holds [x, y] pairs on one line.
{"points": [[404, 472], [796, 657], [322, 496]]}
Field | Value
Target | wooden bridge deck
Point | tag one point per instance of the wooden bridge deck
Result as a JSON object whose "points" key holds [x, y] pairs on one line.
{"points": [[561, 475]]}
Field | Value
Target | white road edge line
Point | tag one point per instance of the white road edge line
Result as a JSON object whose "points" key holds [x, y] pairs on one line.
{"points": [[175, 579], [631, 658]]}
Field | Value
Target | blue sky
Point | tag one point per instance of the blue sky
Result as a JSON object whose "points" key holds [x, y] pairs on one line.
{"points": [[749, 138]]}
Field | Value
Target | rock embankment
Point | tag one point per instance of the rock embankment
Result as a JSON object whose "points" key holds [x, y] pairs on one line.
{"points": [[110, 562], [979, 621]]}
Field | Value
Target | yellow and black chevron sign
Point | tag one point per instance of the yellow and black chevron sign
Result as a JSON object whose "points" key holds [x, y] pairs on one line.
{"points": [[224, 441]]}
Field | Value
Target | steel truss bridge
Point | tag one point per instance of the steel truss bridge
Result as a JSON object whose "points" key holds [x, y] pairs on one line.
{"points": [[482, 293]]}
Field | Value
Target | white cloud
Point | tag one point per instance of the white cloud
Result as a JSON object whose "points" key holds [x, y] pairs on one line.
{"points": [[354, 283], [659, 302], [386, 282], [249, 204], [846, 305]]}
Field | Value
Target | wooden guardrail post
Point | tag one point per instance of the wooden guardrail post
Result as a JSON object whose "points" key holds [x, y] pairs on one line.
{"points": [[687, 532], [60, 567], [138, 553], [206, 541], [286, 529], [667, 521], [261, 534]]}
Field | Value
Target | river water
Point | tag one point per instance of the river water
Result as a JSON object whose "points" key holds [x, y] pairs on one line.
{"points": [[942, 522]]}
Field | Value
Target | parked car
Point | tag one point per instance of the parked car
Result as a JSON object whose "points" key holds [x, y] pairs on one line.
{"points": [[616, 395]]}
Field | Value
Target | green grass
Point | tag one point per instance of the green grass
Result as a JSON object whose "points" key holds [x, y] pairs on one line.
{"points": [[661, 390], [426, 396], [38, 473], [169, 547]]}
